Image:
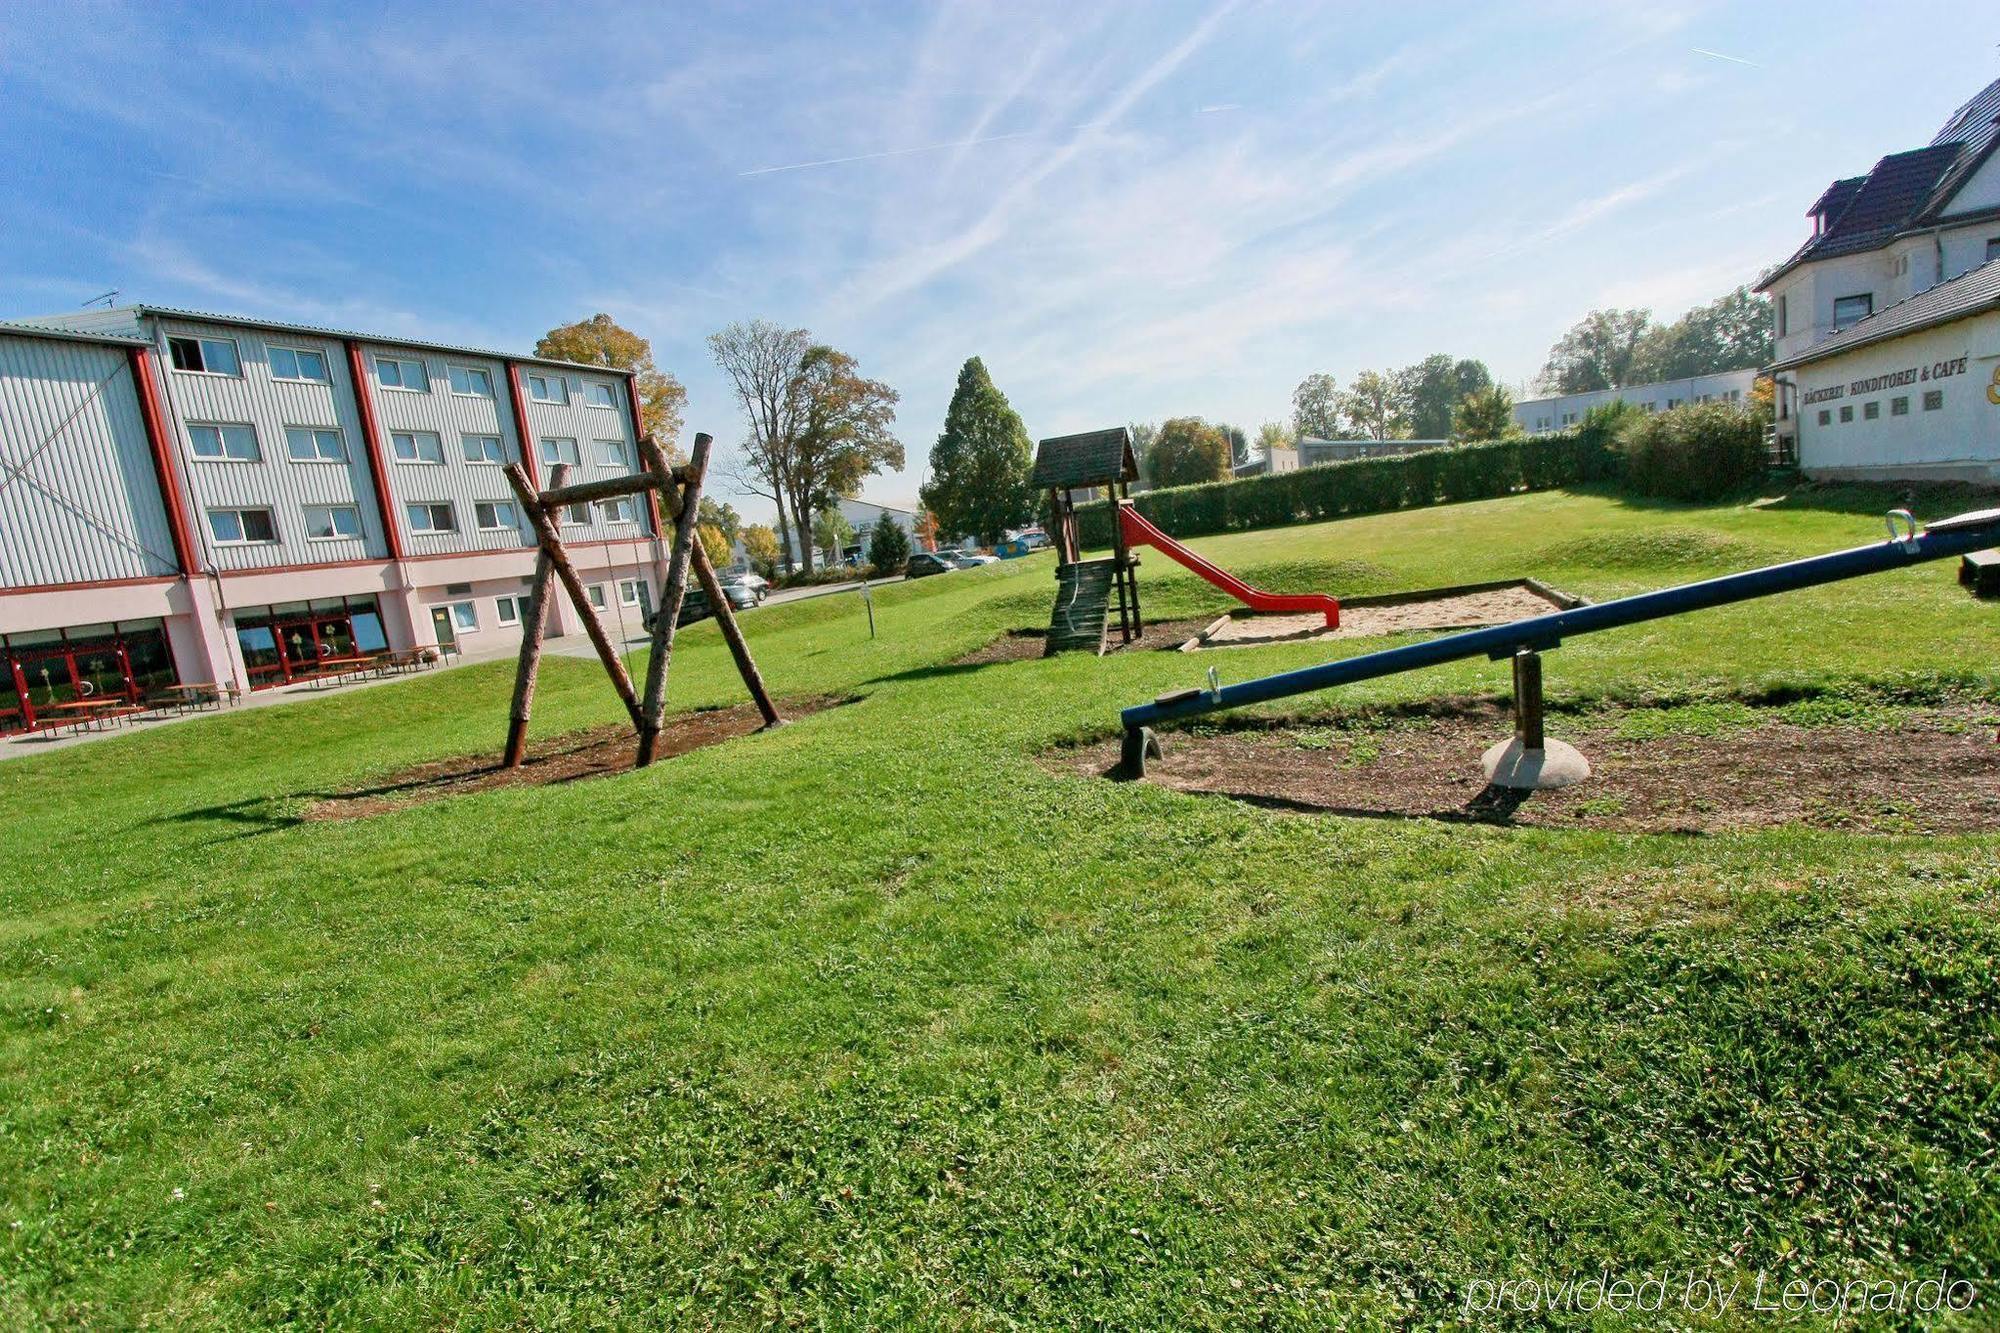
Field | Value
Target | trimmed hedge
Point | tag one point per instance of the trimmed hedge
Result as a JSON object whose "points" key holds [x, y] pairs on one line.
{"points": [[1366, 486]]}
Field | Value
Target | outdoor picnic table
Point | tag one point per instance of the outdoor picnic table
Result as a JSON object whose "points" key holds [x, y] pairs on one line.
{"points": [[333, 669], [193, 694], [87, 712]]}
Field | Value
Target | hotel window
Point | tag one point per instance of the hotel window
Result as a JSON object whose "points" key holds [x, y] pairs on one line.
{"points": [[595, 592], [242, 527], [1826, 416], [615, 453], [471, 381], [1899, 407], [510, 610], [205, 356], [1784, 315], [235, 443], [599, 395], [314, 444], [496, 515], [556, 451], [576, 514], [483, 449], [1847, 412], [432, 516], [417, 446], [1871, 411], [1933, 400], [464, 617], [408, 376], [296, 363], [628, 592], [1992, 248], [548, 389], [619, 510], [1852, 309], [326, 523]]}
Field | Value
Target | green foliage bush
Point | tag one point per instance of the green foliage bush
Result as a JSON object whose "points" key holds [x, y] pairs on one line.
{"points": [[1366, 486], [1700, 452]]}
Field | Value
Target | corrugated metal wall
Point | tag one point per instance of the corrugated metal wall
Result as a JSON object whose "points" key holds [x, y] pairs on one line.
{"points": [[276, 482], [79, 499], [591, 428], [451, 417]]}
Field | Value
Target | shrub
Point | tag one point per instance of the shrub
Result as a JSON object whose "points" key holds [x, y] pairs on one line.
{"points": [[1364, 486], [1700, 452]]}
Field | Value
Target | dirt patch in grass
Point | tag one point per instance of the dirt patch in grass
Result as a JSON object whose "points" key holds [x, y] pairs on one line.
{"points": [[1368, 617], [1935, 771], [580, 754], [1018, 645]]}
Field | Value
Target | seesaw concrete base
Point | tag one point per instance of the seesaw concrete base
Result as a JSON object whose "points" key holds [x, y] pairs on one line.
{"points": [[1554, 764]]}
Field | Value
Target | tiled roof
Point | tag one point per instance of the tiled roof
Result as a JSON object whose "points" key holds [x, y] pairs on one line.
{"points": [[1966, 295], [91, 323], [1903, 191], [1094, 458], [1976, 126]]}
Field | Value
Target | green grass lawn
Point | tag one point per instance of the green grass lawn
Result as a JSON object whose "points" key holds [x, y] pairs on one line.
{"points": [[874, 1021]]}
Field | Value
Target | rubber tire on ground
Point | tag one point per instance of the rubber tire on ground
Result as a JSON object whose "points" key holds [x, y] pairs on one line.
{"points": [[1135, 749]]}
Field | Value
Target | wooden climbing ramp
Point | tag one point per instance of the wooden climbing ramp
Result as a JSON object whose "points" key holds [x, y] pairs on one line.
{"points": [[1083, 605]]}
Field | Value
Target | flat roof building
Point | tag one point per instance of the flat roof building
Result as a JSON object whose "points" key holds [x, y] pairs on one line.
{"points": [[199, 498], [1539, 416]]}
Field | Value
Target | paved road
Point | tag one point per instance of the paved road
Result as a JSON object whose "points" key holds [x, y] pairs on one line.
{"points": [[823, 589]]}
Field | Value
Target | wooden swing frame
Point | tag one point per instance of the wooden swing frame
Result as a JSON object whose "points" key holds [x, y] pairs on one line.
{"points": [[675, 494]]}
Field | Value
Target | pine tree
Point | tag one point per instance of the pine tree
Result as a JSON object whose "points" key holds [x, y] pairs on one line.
{"points": [[980, 464], [888, 545]]}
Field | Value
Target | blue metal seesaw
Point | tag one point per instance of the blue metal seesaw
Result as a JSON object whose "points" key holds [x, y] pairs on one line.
{"points": [[1529, 760]]}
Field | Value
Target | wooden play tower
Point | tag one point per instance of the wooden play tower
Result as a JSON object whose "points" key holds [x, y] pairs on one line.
{"points": [[1085, 589]]}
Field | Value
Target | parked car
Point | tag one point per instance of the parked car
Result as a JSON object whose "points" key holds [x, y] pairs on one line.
{"points": [[925, 563], [756, 583], [974, 559], [695, 606]]}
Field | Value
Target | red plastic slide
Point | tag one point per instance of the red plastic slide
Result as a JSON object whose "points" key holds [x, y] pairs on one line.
{"points": [[1138, 532]]}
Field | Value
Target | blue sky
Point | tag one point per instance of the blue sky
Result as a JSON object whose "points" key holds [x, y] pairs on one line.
{"points": [[1131, 212]]}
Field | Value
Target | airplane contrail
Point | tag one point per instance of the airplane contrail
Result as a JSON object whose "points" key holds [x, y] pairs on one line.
{"points": [[1734, 60], [892, 152]]}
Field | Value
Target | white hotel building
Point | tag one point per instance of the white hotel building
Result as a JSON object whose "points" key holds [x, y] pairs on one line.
{"points": [[195, 498], [1887, 319]]}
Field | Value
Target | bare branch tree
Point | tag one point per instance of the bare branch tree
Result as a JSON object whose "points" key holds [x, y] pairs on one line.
{"points": [[762, 361]]}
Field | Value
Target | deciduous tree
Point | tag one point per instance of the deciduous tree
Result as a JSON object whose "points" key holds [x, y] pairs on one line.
{"points": [[831, 533], [1272, 435], [1374, 409], [1485, 414], [601, 341], [762, 363], [1598, 353], [1316, 408], [1189, 451], [760, 545], [715, 542], [844, 436], [980, 463], [1432, 389]]}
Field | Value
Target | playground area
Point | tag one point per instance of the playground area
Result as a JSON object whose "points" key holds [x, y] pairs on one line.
{"points": [[1727, 765], [901, 1014]]}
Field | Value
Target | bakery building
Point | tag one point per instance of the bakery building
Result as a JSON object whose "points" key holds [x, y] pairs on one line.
{"points": [[1909, 394]]}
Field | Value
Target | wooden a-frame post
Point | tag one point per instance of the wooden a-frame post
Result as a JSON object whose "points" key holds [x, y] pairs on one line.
{"points": [[684, 500]]}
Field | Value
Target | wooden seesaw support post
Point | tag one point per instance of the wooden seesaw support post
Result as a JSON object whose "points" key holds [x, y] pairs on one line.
{"points": [[681, 489]]}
